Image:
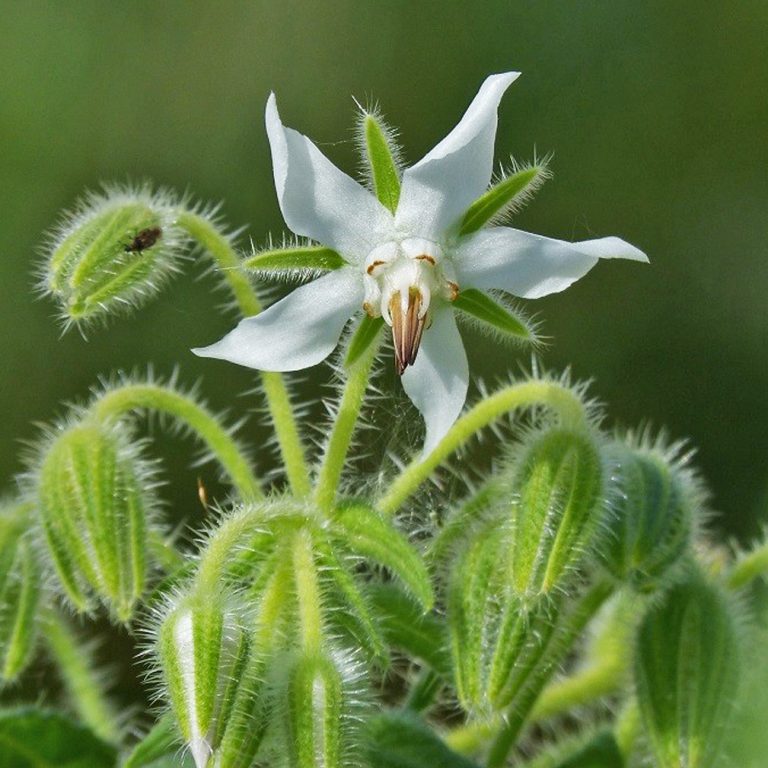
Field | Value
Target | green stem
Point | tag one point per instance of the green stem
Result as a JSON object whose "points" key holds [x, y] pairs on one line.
{"points": [[82, 681], [423, 691], [749, 566], [563, 639], [131, 397], [627, 729], [343, 428], [220, 250], [307, 592], [559, 398]]}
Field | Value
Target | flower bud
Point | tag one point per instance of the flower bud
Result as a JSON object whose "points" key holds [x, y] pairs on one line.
{"points": [[652, 518], [317, 712], [553, 511], [94, 494], [19, 591], [502, 606], [113, 253], [203, 652], [686, 674]]}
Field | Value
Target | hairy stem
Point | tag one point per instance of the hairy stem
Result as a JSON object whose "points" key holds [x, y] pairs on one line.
{"points": [[749, 566], [218, 247], [520, 710], [343, 428], [559, 398], [82, 681], [308, 592], [154, 397]]}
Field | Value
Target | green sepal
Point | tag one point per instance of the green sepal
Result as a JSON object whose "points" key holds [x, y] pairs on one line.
{"points": [[403, 740], [482, 307], [295, 258], [315, 701], [687, 668], [501, 196], [422, 635], [19, 591], [365, 532], [381, 156], [364, 336], [33, 738]]}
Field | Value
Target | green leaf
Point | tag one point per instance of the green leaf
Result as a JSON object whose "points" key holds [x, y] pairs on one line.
{"points": [[501, 196], [381, 159], [483, 308], [365, 335], [295, 258], [402, 740], [32, 738], [421, 635], [367, 533], [596, 750]]}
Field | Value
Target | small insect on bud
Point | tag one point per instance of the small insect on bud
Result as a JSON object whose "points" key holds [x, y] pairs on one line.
{"points": [[523, 553], [114, 252], [687, 674], [651, 519], [202, 649], [94, 496], [19, 591]]}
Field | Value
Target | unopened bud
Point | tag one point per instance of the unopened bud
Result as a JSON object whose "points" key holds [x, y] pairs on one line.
{"points": [[94, 495], [19, 591], [686, 674], [112, 254], [203, 652], [652, 517]]}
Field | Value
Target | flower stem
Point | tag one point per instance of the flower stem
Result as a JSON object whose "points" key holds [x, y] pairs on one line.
{"points": [[563, 639], [556, 396], [114, 403], [343, 428], [82, 681], [219, 248], [749, 566]]}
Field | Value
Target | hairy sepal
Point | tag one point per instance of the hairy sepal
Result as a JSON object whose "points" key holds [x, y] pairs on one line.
{"points": [[293, 259], [381, 158], [491, 315]]}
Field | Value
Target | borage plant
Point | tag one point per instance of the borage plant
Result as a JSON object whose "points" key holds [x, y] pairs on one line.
{"points": [[560, 607]]}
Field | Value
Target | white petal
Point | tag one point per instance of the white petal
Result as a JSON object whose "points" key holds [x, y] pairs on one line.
{"points": [[441, 186], [437, 382], [298, 331], [531, 265], [317, 199]]}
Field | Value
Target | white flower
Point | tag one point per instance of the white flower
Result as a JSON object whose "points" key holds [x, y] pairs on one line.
{"points": [[407, 266]]}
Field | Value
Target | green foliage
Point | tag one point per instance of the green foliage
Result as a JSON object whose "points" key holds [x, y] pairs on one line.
{"points": [[31, 738], [687, 669], [500, 318], [381, 156]]}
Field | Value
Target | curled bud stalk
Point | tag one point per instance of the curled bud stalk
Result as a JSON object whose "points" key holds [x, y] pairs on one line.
{"points": [[115, 251], [506, 583], [687, 674], [653, 516], [203, 651], [95, 499], [19, 591]]}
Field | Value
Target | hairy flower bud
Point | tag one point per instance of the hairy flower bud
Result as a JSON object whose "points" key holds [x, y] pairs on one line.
{"points": [[203, 651], [520, 557], [652, 518], [686, 674], [94, 496], [19, 591], [115, 251]]}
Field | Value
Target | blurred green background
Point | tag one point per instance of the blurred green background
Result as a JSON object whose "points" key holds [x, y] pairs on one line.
{"points": [[656, 112]]}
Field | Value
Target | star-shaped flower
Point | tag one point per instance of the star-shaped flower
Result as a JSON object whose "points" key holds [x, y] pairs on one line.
{"points": [[407, 261]]}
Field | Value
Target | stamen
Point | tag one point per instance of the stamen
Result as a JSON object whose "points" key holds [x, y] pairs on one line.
{"points": [[426, 257], [372, 266], [407, 327]]}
